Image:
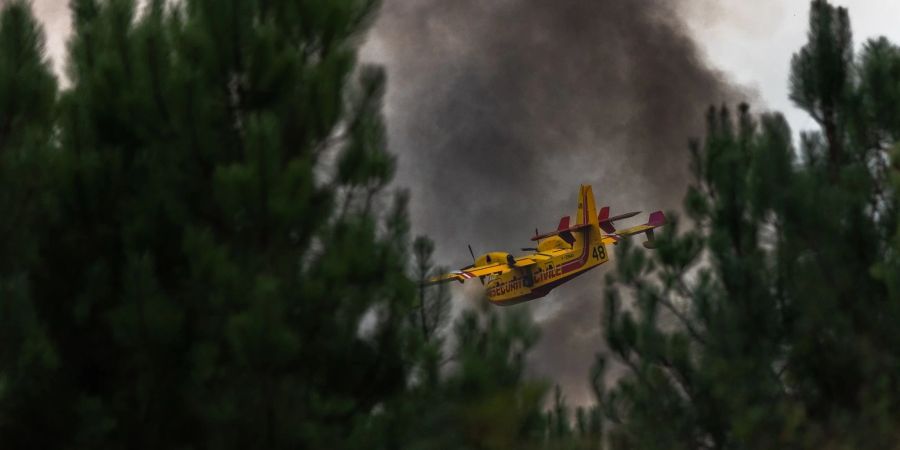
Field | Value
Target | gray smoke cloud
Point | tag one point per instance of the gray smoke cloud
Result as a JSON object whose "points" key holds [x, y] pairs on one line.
{"points": [[499, 110]]}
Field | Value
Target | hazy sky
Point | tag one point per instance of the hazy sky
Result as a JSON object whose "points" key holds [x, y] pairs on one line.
{"points": [[751, 41]]}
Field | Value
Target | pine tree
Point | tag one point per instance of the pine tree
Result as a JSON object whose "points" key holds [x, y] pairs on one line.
{"points": [[494, 404], [767, 323], [820, 73], [216, 271], [434, 304], [28, 357], [478, 395], [204, 254]]}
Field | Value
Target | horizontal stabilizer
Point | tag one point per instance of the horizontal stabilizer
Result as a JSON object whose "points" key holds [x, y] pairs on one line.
{"points": [[606, 222], [565, 233], [657, 219]]}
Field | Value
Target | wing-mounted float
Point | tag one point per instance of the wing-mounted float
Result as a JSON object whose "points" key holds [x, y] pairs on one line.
{"points": [[560, 255]]}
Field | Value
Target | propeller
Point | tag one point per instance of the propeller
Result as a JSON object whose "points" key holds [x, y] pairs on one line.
{"points": [[481, 279], [532, 249]]}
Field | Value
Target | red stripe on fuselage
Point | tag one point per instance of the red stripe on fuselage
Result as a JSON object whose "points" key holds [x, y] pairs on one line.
{"points": [[577, 263]]}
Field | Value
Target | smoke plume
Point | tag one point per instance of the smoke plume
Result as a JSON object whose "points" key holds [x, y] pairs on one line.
{"points": [[498, 110]]}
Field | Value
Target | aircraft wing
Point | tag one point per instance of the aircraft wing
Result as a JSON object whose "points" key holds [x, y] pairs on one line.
{"points": [[447, 277], [609, 239], [468, 273], [635, 230], [525, 261]]}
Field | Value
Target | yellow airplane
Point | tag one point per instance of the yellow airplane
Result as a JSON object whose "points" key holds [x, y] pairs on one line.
{"points": [[560, 256]]}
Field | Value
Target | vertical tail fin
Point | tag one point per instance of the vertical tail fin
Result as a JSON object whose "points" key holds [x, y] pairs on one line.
{"points": [[587, 209], [605, 224]]}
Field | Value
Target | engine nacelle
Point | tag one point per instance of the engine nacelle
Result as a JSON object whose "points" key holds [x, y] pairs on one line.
{"points": [[494, 258], [553, 243]]}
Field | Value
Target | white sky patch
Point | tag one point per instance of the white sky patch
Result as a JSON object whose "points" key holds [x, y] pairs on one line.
{"points": [[753, 41], [54, 14]]}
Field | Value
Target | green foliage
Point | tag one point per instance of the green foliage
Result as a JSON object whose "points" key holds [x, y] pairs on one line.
{"points": [[201, 273], [28, 356], [821, 74], [821, 70], [769, 322], [471, 395], [202, 253]]}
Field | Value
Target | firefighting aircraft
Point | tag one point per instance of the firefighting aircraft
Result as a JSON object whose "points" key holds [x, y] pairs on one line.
{"points": [[560, 255]]}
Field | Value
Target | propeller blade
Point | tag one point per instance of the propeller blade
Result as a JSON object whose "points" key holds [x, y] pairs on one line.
{"points": [[529, 249], [471, 253]]}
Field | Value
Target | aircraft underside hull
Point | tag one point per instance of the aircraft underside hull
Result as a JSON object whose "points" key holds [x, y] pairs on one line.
{"points": [[539, 291]]}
